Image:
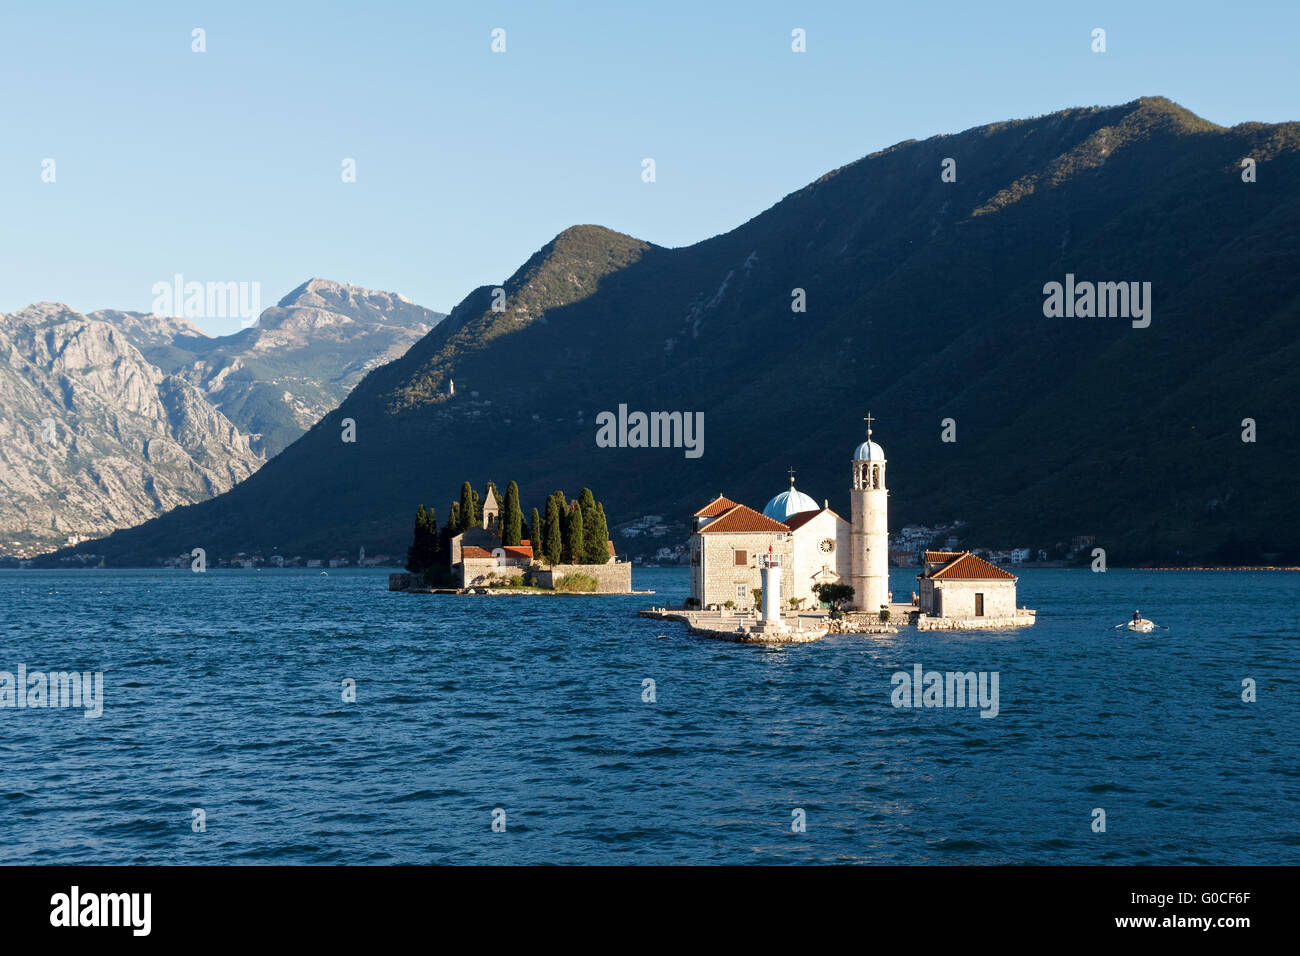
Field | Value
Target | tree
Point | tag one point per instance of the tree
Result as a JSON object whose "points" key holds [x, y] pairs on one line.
{"points": [[572, 553], [413, 562], [512, 518], [423, 552], [535, 533], [587, 506], [435, 545], [470, 517], [450, 529], [597, 535], [554, 535], [834, 594]]}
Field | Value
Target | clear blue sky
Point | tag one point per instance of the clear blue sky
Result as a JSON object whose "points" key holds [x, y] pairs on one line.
{"points": [[225, 165]]}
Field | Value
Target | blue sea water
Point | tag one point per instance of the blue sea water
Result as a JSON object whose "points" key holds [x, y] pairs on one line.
{"points": [[223, 692]]}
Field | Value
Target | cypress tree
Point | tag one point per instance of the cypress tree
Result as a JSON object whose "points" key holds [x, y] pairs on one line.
{"points": [[450, 530], [512, 517], [598, 552], [423, 553], [554, 534], [415, 553], [535, 533], [435, 545], [572, 553], [587, 504], [469, 513]]}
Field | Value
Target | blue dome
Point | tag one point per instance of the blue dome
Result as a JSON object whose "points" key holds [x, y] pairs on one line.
{"points": [[869, 451], [789, 503]]}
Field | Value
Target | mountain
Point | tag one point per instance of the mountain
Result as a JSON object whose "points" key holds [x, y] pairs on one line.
{"points": [[280, 376], [925, 302], [93, 437]]}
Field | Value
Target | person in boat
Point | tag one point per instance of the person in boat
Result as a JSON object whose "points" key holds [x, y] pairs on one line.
{"points": [[1137, 616]]}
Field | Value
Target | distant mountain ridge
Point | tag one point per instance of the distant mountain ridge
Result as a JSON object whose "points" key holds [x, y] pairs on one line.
{"points": [[149, 413], [304, 354], [924, 303], [93, 437]]}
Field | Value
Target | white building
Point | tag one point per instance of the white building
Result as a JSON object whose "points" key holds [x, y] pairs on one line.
{"points": [[958, 584], [814, 544], [869, 507]]}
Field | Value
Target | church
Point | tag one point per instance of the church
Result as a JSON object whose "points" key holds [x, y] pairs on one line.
{"points": [[813, 545], [731, 543]]}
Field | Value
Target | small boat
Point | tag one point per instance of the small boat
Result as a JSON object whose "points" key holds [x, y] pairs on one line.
{"points": [[1141, 625]]}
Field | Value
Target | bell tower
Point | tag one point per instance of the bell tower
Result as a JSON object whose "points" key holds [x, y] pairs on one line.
{"points": [[869, 527]]}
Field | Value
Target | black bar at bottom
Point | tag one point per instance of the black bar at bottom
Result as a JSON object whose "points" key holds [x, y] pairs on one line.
{"points": [[336, 904]]}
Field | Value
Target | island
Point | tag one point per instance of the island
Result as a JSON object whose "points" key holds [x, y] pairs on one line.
{"points": [[486, 547]]}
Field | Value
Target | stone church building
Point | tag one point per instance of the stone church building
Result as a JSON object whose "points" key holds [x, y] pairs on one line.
{"points": [[814, 545], [730, 543]]}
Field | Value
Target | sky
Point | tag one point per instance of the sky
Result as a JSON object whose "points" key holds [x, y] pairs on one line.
{"points": [[227, 165]]}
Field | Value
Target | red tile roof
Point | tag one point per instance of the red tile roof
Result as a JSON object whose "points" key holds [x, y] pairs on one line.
{"points": [[969, 567], [474, 551], [803, 517], [612, 554], [715, 507], [519, 551], [942, 557], [740, 519]]}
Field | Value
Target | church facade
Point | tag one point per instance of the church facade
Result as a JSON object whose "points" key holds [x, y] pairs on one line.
{"points": [[731, 542]]}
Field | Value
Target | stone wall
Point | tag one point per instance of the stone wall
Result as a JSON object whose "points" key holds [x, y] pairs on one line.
{"points": [[956, 599], [1021, 618], [614, 578], [723, 580], [476, 572], [864, 622]]}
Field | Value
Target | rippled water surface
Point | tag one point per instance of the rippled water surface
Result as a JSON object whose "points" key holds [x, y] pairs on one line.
{"points": [[223, 692]]}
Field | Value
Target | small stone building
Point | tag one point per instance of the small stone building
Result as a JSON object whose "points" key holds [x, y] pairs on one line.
{"points": [[960, 585], [479, 566]]}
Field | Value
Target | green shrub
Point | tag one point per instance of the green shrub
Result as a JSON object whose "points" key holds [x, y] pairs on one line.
{"points": [[576, 581], [835, 595], [691, 603]]}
